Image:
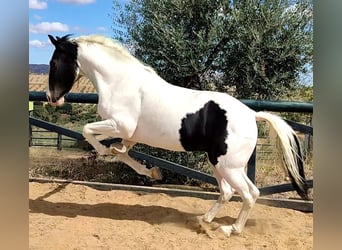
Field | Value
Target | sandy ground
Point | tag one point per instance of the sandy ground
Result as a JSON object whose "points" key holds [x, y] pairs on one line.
{"points": [[68, 216]]}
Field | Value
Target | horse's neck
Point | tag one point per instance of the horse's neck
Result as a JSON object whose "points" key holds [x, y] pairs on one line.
{"points": [[105, 71]]}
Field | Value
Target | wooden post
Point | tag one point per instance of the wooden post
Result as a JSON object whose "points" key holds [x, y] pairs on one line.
{"points": [[30, 126], [307, 143], [30, 135], [59, 141]]}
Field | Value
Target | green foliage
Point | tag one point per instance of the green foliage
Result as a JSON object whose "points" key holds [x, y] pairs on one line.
{"points": [[64, 109], [174, 37], [84, 113], [79, 114], [257, 47], [273, 46], [304, 94], [41, 112]]}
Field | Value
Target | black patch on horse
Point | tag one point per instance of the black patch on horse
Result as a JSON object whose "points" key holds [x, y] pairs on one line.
{"points": [[205, 130]]}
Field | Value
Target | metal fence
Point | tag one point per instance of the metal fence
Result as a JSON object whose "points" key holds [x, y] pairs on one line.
{"points": [[302, 107]]}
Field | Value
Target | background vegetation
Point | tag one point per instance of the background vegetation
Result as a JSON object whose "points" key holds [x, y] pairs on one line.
{"points": [[258, 48]]}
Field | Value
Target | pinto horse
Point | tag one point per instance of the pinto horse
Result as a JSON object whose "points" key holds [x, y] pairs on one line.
{"points": [[138, 106]]}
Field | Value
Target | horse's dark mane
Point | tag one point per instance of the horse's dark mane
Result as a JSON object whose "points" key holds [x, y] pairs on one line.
{"points": [[64, 38], [65, 44]]}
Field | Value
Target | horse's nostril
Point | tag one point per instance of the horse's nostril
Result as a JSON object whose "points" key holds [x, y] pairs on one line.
{"points": [[54, 99], [50, 98]]}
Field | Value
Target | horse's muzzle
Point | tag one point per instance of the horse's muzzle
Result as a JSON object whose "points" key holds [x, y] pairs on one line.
{"points": [[53, 100]]}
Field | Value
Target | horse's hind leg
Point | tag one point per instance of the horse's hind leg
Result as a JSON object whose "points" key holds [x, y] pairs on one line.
{"points": [[226, 192], [93, 132], [231, 167], [248, 192]]}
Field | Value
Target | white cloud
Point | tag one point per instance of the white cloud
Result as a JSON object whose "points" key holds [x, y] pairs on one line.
{"points": [[101, 28], [77, 1], [37, 4], [38, 44], [46, 27]]}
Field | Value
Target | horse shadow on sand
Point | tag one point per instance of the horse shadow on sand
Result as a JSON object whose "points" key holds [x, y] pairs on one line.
{"points": [[152, 214]]}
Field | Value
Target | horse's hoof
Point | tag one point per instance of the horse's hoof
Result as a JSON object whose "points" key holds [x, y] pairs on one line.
{"points": [[117, 148], [156, 173], [204, 227], [226, 230]]}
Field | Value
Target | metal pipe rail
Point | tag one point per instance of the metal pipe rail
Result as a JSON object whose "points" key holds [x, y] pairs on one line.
{"points": [[258, 105]]}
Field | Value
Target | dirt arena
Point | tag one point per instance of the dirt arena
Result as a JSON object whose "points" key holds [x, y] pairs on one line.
{"points": [[69, 216]]}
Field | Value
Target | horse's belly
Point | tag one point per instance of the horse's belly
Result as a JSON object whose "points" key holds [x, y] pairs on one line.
{"points": [[157, 135]]}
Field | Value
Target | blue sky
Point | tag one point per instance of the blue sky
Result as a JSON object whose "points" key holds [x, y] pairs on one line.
{"points": [[78, 17], [61, 17]]}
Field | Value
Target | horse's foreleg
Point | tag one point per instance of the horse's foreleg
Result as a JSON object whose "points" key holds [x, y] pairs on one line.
{"points": [[93, 132], [101, 137], [153, 173], [96, 131]]}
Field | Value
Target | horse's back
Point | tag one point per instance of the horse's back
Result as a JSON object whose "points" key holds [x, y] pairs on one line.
{"points": [[180, 119]]}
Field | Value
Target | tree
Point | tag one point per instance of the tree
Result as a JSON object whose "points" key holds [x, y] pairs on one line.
{"points": [[259, 47], [174, 37], [272, 47]]}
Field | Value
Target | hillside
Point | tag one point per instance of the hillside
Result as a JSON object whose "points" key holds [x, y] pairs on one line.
{"points": [[39, 82], [39, 68]]}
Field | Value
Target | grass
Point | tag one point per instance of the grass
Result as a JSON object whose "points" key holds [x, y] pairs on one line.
{"points": [[77, 164]]}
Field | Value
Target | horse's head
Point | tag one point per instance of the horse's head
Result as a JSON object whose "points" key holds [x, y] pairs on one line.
{"points": [[63, 69]]}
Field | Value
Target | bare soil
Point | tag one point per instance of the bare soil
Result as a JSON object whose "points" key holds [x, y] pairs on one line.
{"points": [[68, 216]]}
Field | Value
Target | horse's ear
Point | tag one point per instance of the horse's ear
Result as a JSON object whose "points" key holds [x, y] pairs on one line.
{"points": [[53, 40]]}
